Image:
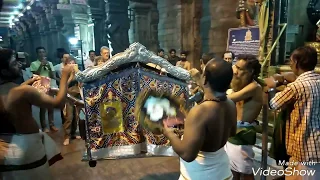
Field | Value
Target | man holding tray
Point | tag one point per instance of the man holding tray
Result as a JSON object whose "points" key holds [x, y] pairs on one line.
{"points": [[201, 149]]}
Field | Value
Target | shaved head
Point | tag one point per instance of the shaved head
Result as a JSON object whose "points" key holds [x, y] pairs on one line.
{"points": [[218, 75]]}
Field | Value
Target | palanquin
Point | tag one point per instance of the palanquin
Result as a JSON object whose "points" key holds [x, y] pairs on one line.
{"points": [[116, 85]]}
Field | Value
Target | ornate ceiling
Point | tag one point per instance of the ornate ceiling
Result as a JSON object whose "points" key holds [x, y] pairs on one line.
{"points": [[12, 9]]}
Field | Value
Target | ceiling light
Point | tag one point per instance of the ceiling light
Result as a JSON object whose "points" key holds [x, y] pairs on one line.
{"points": [[16, 19], [73, 41], [20, 15], [28, 7]]}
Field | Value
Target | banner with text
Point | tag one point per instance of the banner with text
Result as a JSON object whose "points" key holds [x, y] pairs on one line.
{"points": [[243, 40]]}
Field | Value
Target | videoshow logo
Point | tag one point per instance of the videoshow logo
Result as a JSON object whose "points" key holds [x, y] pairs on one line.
{"points": [[287, 172]]}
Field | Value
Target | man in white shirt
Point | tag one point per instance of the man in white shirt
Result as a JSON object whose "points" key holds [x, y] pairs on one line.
{"points": [[90, 62], [69, 121]]}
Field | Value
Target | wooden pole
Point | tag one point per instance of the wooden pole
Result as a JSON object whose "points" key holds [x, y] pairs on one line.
{"points": [[264, 157], [243, 19]]}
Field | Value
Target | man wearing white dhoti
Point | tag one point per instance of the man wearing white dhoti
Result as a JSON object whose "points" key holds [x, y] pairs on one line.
{"points": [[247, 94], [25, 153], [202, 156]]}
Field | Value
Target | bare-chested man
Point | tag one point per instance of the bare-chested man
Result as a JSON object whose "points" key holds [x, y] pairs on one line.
{"points": [[23, 154], [201, 151], [247, 94]]}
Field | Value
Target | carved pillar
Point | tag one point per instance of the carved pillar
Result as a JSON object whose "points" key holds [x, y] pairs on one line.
{"points": [[144, 26], [68, 28], [43, 29], [141, 21], [81, 19], [98, 16], [13, 37], [190, 30], [55, 24], [20, 36], [49, 31], [169, 27], [27, 37], [117, 25], [27, 20], [34, 32], [154, 21]]}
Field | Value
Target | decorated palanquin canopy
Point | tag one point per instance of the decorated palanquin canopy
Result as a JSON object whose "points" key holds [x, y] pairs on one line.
{"points": [[110, 93]]}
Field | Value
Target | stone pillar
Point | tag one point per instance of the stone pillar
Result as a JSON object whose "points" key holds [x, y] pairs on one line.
{"points": [[222, 18], [154, 21], [50, 43], [29, 39], [20, 36], [35, 33], [44, 30], [169, 27], [117, 25], [141, 23], [67, 30], [98, 16], [81, 19], [190, 30]]}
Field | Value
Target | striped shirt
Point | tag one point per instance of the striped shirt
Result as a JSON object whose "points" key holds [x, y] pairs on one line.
{"points": [[303, 127]]}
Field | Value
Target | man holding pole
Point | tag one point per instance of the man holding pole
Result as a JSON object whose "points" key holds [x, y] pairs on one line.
{"points": [[303, 126], [247, 95]]}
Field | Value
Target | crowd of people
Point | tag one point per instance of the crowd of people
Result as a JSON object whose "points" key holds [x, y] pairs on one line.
{"points": [[216, 145]]}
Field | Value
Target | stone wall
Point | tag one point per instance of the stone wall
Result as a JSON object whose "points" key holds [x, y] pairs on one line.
{"points": [[190, 30], [297, 15], [169, 27], [217, 17]]}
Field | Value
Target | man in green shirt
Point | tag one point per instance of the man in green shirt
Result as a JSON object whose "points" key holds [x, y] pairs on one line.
{"points": [[43, 67]]}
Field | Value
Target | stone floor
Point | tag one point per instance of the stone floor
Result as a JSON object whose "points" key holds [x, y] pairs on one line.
{"points": [[72, 168]]}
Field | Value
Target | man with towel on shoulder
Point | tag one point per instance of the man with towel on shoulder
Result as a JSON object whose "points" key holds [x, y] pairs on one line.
{"points": [[247, 95], [201, 150], [25, 153]]}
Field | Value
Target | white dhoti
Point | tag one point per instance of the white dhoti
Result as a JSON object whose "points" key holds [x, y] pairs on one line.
{"points": [[207, 166], [26, 157], [241, 156]]}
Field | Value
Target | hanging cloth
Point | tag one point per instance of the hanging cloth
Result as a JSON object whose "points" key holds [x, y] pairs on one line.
{"points": [[263, 27]]}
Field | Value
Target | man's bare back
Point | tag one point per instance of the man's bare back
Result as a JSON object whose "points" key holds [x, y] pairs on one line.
{"points": [[17, 113], [16, 104], [207, 127], [220, 124]]}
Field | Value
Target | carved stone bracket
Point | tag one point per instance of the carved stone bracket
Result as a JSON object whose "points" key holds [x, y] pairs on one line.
{"points": [[97, 8], [57, 16], [25, 28], [141, 8], [32, 23], [68, 23]]}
